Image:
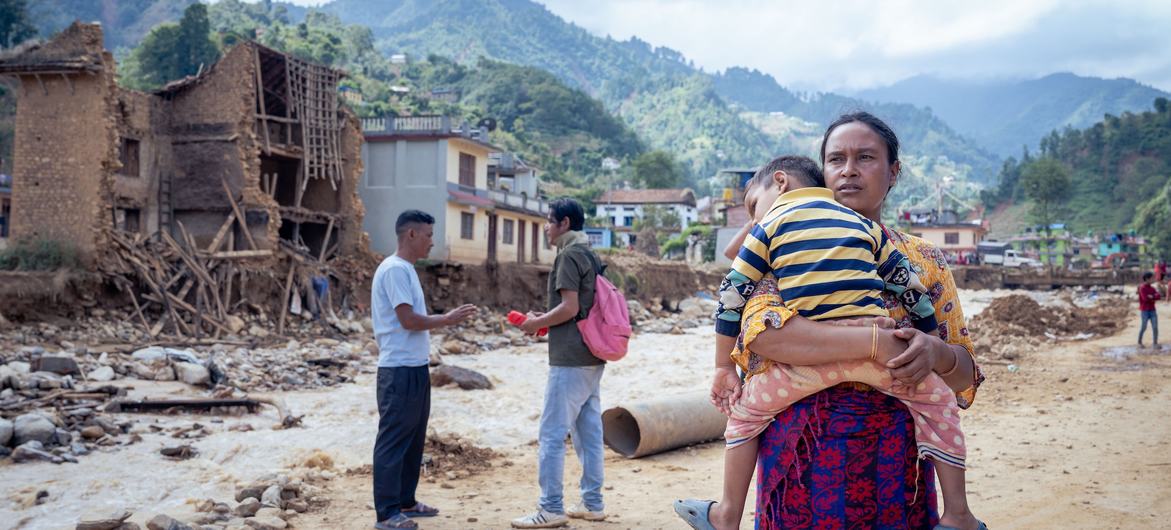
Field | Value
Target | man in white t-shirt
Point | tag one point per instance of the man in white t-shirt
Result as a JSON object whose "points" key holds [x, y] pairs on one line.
{"points": [[402, 329]]}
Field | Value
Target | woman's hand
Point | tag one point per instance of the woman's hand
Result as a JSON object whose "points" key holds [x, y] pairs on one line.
{"points": [[726, 389], [914, 365]]}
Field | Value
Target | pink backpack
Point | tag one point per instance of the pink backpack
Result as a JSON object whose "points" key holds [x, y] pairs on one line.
{"points": [[606, 330]]}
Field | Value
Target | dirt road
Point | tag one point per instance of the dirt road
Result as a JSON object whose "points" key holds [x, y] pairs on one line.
{"points": [[1074, 438]]}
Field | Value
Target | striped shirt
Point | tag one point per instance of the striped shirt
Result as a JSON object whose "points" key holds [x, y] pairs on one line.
{"points": [[829, 262]]}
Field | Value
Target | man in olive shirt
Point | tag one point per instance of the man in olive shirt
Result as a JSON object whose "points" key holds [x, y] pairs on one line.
{"points": [[572, 397]]}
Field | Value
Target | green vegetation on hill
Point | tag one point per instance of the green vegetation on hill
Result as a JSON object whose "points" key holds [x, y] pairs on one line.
{"points": [[1115, 168], [124, 22], [660, 95], [1003, 116]]}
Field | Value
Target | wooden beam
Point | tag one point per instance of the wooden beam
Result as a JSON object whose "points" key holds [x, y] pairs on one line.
{"points": [[239, 214], [242, 254], [280, 328], [219, 235], [260, 96], [325, 242]]}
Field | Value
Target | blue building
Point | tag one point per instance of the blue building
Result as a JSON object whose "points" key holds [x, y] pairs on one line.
{"points": [[600, 237]]}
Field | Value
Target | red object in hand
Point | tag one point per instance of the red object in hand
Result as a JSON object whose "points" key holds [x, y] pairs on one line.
{"points": [[517, 318]]}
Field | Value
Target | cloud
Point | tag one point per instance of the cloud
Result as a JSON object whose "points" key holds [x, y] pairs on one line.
{"points": [[854, 44]]}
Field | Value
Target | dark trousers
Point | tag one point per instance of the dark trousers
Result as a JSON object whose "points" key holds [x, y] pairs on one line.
{"points": [[404, 403]]}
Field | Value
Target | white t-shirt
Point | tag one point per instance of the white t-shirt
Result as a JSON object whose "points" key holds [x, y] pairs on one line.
{"points": [[397, 283]]}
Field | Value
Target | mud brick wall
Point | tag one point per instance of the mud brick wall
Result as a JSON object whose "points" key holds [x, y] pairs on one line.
{"points": [[65, 146]]}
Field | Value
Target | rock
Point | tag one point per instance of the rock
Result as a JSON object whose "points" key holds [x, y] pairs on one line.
{"points": [[34, 450], [166, 522], [154, 371], [6, 430], [697, 308], [33, 426], [93, 432], [435, 359], [266, 523], [153, 353], [129, 526], [257, 331], [192, 374], [182, 452], [102, 374], [466, 379], [247, 508], [62, 437], [20, 367], [297, 505], [269, 512], [110, 521], [8, 376], [271, 496], [234, 324], [78, 449], [455, 347], [253, 491]]}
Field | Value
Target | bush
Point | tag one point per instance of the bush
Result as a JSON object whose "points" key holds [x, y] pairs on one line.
{"points": [[39, 255]]}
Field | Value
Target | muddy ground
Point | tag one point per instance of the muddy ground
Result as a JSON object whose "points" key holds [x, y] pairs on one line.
{"points": [[1074, 435]]}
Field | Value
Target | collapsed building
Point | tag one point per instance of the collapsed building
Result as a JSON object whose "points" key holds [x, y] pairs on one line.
{"points": [[236, 186]]}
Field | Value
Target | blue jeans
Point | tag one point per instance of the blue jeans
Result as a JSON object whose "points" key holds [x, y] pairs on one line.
{"points": [[572, 406], [1149, 315]]}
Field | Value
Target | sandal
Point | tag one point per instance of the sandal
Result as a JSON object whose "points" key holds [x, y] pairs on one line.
{"points": [[421, 510], [695, 513], [397, 520]]}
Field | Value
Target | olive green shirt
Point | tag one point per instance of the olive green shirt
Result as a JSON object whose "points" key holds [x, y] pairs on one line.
{"points": [[573, 270]]}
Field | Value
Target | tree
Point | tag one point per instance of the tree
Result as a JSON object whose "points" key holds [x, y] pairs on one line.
{"points": [[15, 27], [1153, 220], [173, 51], [1047, 183], [657, 169]]}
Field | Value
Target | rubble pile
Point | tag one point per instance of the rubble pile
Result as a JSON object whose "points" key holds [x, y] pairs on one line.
{"points": [[1017, 324], [269, 503], [454, 457]]}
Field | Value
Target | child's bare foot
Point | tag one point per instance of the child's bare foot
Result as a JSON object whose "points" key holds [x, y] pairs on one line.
{"points": [[956, 520]]}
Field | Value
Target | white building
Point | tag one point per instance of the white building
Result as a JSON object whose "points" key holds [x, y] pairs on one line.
{"points": [[621, 208]]}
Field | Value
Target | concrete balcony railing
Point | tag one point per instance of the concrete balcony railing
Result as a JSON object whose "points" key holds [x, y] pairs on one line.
{"points": [[428, 125], [508, 200]]}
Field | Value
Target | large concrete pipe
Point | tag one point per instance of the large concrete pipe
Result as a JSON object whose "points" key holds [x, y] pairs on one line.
{"points": [[653, 426]]}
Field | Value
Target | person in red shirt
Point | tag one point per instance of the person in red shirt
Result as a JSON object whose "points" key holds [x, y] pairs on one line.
{"points": [[1146, 307]]}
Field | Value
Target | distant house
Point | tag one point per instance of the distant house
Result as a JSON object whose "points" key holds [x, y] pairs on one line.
{"points": [[611, 164], [732, 206], [600, 237], [398, 58], [621, 208], [431, 164], [350, 94], [945, 230], [446, 94]]}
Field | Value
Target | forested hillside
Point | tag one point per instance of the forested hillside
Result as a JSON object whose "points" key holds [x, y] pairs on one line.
{"points": [[1116, 167], [1004, 116]]}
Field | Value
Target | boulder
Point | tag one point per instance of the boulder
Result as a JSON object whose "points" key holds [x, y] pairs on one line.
{"points": [[271, 496], [166, 522], [93, 432], [34, 450], [466, 379], [247, 508], [102, 374], [266, 523], [108, 521], [33, 426], [192, 374], [234, 324], [57, 364]]}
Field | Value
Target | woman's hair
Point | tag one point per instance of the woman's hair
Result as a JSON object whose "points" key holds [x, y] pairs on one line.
{"points": [[878, 126], [1148, 275]]}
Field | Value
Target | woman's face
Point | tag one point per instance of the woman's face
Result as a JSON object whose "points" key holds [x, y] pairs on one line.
{"points": [[857, 168]]}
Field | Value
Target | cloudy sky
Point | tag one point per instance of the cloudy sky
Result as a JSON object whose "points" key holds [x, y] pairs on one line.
{"points": [[845, 45]]}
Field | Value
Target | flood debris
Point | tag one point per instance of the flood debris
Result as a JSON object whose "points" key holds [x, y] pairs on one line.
{"points": [[1016, 325]]}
